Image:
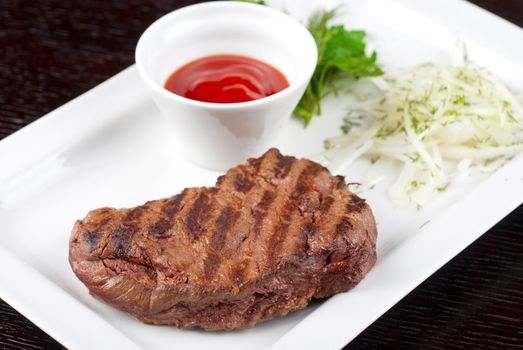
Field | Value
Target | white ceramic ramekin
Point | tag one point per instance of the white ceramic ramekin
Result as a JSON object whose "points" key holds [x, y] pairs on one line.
{"points": [[213, 135]]}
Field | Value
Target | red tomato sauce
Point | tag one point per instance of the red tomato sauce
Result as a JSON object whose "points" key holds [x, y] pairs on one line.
{"points": [[226, 79]]}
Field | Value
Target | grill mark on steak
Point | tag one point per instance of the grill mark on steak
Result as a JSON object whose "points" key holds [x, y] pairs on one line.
{"points": [[256, 164], [174, 204], [92, 238], [276, 241], [198, 216], [172, 207], [343, 227], [301, 186], [326, 204], [123, 234], [134, 214], [160, 227], [267, 199], [356, 204], [297, 240], [261, 211], [242, 183], [223, 223], [306, 232], [325, 227], [340, 182], [283, 165], [212, 262], [264, 167], [122, 242], [276, 231], [238, 274]]}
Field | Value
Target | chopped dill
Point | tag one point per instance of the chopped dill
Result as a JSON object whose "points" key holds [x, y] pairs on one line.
{"points": [[374, 159], [442, 188], [350, 121], [423, 224]]}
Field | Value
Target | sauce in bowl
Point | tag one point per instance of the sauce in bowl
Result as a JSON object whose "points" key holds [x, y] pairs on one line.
{"points": [[226, 79]]}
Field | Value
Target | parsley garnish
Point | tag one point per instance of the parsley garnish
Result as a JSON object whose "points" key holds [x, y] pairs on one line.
{"points": [[341, 53]]}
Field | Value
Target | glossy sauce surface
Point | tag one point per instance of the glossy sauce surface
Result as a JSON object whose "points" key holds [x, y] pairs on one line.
{"points": [[226, 79]]}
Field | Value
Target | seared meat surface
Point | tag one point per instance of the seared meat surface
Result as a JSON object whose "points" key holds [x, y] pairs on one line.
{"points": [[270, 236]]}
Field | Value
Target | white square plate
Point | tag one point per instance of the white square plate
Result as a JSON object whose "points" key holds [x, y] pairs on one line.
{"points": [[110, 147]]}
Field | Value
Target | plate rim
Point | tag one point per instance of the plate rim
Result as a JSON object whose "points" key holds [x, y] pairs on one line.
{"points": [[45, 125]]}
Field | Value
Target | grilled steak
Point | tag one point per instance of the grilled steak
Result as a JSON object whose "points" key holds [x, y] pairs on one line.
{"points": [[270, 236]]}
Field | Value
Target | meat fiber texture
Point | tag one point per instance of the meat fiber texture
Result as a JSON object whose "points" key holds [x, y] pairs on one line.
{"points": [[272, 234]]}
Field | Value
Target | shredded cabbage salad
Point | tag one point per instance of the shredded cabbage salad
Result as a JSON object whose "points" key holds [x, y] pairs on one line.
{"points": [[439, 122]]}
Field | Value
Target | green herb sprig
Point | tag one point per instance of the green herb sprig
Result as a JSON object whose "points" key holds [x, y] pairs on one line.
{"points": [[341, 54]]}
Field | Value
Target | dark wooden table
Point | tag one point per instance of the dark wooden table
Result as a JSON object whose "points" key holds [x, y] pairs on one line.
{"points": [[52, 51]]}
